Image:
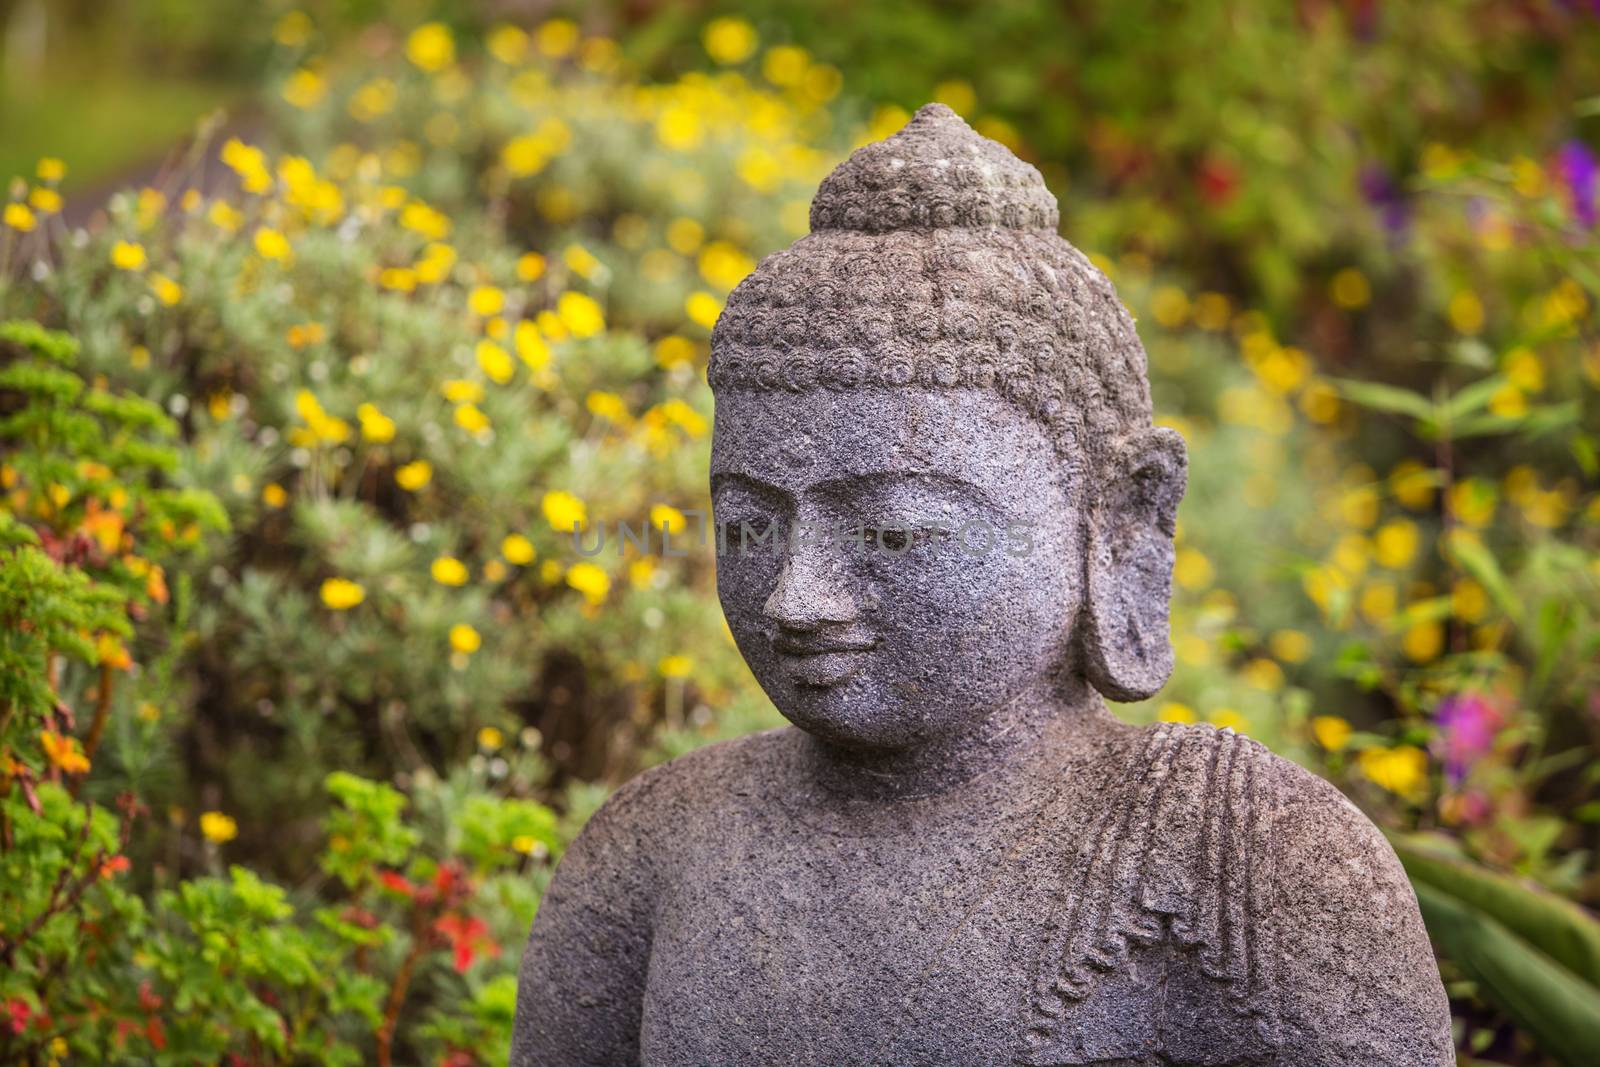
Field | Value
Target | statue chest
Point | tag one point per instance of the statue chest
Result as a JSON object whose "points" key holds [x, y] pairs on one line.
{"points": [[814, 949], [1117, 925]]}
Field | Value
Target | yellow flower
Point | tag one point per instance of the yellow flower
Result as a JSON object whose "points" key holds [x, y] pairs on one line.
{"points": [[1468, 600], [1291, 646], [729, 40], [51, 169], [1423, 641], [1350, 289], [270, 244], [127, 255], [447, 570], [675, 666], [642, 573], [1400, 770], [589, 580], [581, 261], [517, 549], [1191, 569], [486, 300], [20, 217], [218, 828], [431, 47], [304, 89], [111, 652], [1172, 711], [530, 346], [63, 752], [471, 419], [1466, 312], [1170, 306], [464, 639], [274, 495], [375, 425], [702, 308], [1473, 502], [341, 594], [1508, 402], [608, 406], [1379, 601], [167, 291], [668, 517], [672, 350], [507, 44], [557, 37], [420, 218], [400, 279], [414, 475], [1524, 370], [957, 95], [1412, 484], [490, 739], [684, 235], [580, 314], [563, 511], [461, 391], [1395, 543], [530, 267], [1331, 732], [495, 362], [224, 216], [1263, 674], [1228, 719], [45, 201]]}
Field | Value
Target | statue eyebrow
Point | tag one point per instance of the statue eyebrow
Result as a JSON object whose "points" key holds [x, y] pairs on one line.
{"points": [[870, 479], [722, 478]]}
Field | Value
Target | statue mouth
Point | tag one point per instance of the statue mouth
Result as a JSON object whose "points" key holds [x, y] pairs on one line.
{"points": [[818, 662]]}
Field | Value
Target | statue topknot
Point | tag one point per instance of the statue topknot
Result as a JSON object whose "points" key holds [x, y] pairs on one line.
{"points": [[933, 261]]}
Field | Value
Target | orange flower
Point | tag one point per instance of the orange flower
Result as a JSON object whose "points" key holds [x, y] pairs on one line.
{"points": [[64, 752]]}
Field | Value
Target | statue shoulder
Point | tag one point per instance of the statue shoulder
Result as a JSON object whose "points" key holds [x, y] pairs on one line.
{"points": [[1273, 890], [1360, 981], [671, 799]]}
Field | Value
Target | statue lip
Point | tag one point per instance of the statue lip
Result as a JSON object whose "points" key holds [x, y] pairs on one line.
{"points": [[819, 646]]}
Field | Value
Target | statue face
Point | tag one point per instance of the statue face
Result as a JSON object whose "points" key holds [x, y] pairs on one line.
{"points": [[894, 564]]}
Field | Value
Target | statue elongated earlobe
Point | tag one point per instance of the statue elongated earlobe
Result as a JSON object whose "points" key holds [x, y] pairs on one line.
{"points": [[1126, 643]]}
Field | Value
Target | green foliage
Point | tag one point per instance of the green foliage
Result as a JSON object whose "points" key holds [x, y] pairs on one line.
{"points": [[1531, 954], [465, 300]]}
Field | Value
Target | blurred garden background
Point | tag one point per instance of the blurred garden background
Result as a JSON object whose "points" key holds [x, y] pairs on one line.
{"points": [[322, 319]]}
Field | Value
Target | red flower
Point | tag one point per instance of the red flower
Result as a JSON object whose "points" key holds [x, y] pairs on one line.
{"points": [[1217, 180], [114, 866], [466, 937], [19, 1011], [154, 1034], [148, 1000], [395, 882]]}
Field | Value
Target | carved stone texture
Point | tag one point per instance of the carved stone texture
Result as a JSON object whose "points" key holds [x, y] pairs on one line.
{"points": [[945, 536]]}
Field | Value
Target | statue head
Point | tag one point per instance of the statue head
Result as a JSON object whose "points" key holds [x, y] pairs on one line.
{"points": [[934, 474]]}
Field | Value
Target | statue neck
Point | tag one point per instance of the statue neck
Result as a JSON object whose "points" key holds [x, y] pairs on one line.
{"points": [[1046, 721]]}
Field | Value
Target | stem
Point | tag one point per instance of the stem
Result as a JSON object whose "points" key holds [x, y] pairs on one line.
{"points": [[397, 992], [102, 711]]}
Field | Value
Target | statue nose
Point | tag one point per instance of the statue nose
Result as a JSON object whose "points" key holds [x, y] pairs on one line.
{"points": [[811, 592]]}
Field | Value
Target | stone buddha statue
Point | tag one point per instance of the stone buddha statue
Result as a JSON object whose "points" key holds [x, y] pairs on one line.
{"points": [[945, 528]]}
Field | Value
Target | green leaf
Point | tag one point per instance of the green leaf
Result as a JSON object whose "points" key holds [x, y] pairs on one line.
{"points": [[1559, 928], [1557, 1009], [1389, 398]]}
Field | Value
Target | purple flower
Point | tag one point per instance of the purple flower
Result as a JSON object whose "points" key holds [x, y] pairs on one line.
{"points": [[1385, 196], [1580, 173], [1467, 725]]}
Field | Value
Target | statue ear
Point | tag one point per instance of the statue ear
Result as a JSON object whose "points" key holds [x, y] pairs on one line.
{"points": [[1127, 650]]}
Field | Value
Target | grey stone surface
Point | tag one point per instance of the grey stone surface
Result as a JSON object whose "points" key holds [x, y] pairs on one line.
{"points": [[959, 856]]}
